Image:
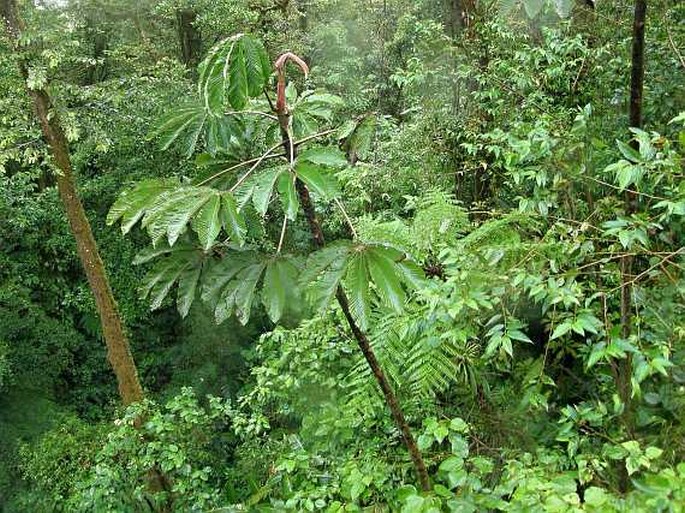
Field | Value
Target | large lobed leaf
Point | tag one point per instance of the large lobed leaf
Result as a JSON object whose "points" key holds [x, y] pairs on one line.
{"points": [[167, 208], [356, 267], [235, 70]]}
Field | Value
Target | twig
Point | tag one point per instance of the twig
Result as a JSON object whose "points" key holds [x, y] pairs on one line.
{"points": [[280, 240], [254, 166], [675, 48], [253, 112], [347, 218], [239, 165]]}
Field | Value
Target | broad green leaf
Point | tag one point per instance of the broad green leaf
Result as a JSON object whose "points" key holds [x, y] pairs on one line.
{"points": [[385, 278], [182, 127], [235, 74], [236, 69], [207, 223], [279, 279], [263, 188], [245, 290], [628, 152], [323, 272], [187, 288], [288, 194], [217, 277], [162, 277], [232, 220], [133, 203], [324, 156], [317, 179], [562, 329], [357, 285]]}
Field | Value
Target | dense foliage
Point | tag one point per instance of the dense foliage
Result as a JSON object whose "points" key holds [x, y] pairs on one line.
{"points": [[272, 183]]}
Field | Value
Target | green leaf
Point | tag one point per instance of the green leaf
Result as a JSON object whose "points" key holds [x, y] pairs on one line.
{"points": [[236, 69], [317, 179], [288, 194], [628, 152], [323, 156], [323, 272], [562, 329], [181, 127], [187, 288], [263, 188], [162, 277], [357, 285], [207, 223], [280, 279], [217, 278], [133, 203], [244, 292], [385, 278], [233, 221]]}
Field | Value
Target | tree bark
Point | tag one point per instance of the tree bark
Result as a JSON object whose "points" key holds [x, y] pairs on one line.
{"points": [[189, 36], [118, 351], [361, 338], [625, 369]]}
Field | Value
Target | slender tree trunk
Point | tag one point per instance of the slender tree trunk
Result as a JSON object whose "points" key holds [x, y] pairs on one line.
{"points": [[189, 37], [637, 73], [361, 338], [631, 199], [118, 351]]}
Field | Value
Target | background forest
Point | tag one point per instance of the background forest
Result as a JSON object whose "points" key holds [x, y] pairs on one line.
{"points": [[381, 255]]}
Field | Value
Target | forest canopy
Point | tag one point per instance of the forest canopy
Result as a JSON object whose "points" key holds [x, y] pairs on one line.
{"points": [[342, 256]]}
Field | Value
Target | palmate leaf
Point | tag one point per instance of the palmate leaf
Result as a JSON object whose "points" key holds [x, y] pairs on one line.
{"points": [[280, 282], [168, 208], [181, 265], [230, 286], [259, 188], [235, 69], [185, 127], [323, 272], [355, 267], [132, 203]]}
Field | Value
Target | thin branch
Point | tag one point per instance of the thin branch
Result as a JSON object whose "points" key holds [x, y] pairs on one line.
{"points": [[253, 112], [647, 271], [630, 191], [675, 48], [239, 165], [254, 166], [282, 238], [347, 218], [314, 136], [268, 99]]}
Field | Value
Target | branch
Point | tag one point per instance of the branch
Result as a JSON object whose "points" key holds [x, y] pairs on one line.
{"points": [[266, 156]]}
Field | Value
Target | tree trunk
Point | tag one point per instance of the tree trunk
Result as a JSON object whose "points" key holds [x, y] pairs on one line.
{"points": [[361, 338], [189, 36], [118, 351], [625, 369]]}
